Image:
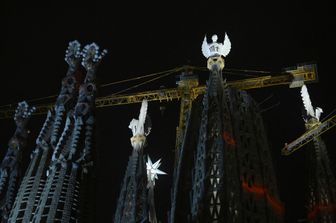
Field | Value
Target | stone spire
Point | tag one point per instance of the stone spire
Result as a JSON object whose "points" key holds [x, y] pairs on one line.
{"points": [[35, 177], [132, 203], [11, 165]]}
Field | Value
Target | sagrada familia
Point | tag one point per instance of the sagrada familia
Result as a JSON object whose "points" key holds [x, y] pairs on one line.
{"points": [[223, 168]]}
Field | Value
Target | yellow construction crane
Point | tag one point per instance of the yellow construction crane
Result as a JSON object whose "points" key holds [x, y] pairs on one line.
{"points": [[189, 85], [188, 89], [315, 130]]}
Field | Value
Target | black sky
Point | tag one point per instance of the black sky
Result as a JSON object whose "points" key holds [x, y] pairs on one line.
{"points": [[143, 39]]}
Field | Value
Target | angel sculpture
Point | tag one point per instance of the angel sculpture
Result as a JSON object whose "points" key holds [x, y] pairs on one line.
{"points": [[215, 48], [140, 127], [311, 113]]}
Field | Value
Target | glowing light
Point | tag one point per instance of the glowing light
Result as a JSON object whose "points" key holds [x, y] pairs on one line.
{"points": [[228, 138], [321, 208], [262, 191]]}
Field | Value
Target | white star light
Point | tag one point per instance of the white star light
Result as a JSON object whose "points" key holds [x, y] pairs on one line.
{"points": [[153, 170]]}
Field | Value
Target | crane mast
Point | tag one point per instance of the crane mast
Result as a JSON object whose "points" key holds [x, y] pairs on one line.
{"points": [[185, 85]]}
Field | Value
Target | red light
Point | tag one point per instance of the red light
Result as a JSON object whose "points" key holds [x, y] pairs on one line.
{"points": [[262, 191], [321, 208], [228, 138]]}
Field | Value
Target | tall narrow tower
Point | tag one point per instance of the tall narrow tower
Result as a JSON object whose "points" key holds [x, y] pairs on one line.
{"points": [[224, 162], [321, 194], [33, 182], [63, 195], [11, 165], [132, 203]]}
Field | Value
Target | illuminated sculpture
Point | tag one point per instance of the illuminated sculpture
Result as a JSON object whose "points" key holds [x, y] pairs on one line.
{"points": [[215, 48], [308, 105], [138, 128]]}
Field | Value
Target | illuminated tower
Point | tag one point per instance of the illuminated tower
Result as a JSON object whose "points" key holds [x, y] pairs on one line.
{"points": [[224, 172], [321, 194], [11, 165], [132, 203], [33, 182], [63, 197]]}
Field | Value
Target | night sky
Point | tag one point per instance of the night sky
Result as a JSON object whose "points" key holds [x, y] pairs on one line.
{"points": [[144, 39]]}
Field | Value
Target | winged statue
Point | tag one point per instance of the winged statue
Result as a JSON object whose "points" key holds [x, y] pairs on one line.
{"points": [[216, 48], [316, 113]]}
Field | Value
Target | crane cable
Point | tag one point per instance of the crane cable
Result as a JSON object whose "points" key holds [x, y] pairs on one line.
{"points": [[171, 71], [137, 78], [145, 82], [31, 100], [165, 73]]}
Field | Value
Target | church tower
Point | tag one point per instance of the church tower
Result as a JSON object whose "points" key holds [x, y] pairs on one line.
{"points": [[224, 172]]}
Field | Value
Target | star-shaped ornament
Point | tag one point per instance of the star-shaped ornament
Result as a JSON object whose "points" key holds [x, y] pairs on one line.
{"points": [[153, 170]]}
